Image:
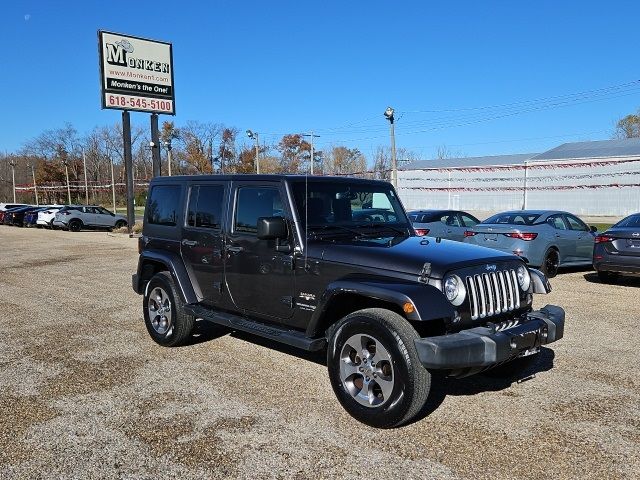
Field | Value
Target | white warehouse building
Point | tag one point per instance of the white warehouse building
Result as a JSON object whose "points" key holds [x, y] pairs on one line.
{"points": [[585, 178]]}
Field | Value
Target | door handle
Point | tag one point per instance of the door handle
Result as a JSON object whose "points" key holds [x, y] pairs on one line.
{"points": [[234, 249], [189, 243]]}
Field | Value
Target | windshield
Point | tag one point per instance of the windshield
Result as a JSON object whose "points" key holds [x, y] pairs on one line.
{"points": [[513, 218], [350, 205]]}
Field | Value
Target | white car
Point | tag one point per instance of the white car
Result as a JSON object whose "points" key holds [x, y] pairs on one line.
{"points": [[46, 217]]}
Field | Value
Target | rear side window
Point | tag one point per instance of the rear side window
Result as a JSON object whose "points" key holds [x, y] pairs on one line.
{"points": [[253, 203], [162, 208], [512, 219], [205, 206]]}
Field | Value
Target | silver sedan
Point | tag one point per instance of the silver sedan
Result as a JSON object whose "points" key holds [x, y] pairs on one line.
{"points": [[547, 239], [449, 224]]}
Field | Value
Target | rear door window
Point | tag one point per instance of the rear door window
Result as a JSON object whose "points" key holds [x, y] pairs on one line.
{"points": [[205, 206], [468, 220], [556, 222]]}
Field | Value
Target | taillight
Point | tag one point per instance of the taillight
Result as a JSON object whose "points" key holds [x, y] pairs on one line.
{"points": [[421, 232], [522, 236], [604, 239], [469, 233]]}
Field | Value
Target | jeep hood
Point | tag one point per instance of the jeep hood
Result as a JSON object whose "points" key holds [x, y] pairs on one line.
{"points": [[409, 254]]}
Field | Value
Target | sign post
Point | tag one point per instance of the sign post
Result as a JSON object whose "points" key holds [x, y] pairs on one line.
{"points": [[136, 74]]}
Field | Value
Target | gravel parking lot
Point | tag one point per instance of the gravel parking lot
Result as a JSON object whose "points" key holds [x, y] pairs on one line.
{"points": [[85, 393]]}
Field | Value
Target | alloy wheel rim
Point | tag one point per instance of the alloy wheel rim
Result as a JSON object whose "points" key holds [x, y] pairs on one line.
{"points": [[366, 370], [159, 308], [552, 262]]}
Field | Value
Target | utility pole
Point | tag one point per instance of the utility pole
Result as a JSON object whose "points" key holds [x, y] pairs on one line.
{"points": [[254, 135], [86, 184], [66, 173], [113, 187], [13, 176], [35, 187], [310, 134], [524, 190], [388, 113]]}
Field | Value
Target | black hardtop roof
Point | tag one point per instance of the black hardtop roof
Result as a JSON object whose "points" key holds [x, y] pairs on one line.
{"points": [[270, 177]]}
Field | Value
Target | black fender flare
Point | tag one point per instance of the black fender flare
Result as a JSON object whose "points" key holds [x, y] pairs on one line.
{"points": [[176, 267], [427, 301], [539, 281]]}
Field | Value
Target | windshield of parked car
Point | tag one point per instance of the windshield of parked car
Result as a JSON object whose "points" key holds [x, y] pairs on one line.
{"points": [[349, 207], [513, 219], [630, 221]]}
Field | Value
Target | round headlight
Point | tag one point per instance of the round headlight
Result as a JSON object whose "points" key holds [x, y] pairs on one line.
{"points": [[524, 277], [454, 289]]}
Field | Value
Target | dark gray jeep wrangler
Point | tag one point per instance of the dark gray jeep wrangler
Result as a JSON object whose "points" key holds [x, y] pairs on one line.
{"points": [[333, 264]]}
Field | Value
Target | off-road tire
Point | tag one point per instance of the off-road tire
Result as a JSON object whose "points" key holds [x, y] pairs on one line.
{"points": [[548, 261], [411, 381], [75, 225], [182, 322]]}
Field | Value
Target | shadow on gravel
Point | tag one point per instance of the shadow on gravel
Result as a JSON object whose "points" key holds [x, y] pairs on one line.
{"points": [[442, 386], [621, 280]]}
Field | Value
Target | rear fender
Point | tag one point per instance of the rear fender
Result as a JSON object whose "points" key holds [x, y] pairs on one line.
{"points": [[173, 263]]}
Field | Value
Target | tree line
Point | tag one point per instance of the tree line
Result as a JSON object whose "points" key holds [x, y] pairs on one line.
{"points": [[196, 148]]}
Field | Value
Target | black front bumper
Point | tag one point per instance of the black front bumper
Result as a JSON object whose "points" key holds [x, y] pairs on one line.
{"points": [[483, 346]]}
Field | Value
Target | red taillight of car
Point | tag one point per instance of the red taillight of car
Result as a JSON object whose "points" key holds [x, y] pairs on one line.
{"points": [[604, 239], [421, 232], [522, 236], [469, 233]]}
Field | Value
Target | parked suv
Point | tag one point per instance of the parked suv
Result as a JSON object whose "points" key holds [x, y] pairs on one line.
{"points": [[76, 217], [294, 260]]}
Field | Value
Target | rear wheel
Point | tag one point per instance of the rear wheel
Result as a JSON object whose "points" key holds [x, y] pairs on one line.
{"points": [[551, 263], [374, 368], [75, 225], [164, 316]]}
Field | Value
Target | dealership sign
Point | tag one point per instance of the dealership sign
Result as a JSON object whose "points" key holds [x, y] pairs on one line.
{"points": [[136, 73]]}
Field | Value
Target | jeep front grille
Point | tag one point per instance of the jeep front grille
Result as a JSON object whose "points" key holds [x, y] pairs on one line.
{"points": [[493, 293]]}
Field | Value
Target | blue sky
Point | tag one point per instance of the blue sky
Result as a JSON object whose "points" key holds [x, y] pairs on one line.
{"points": [[334, 66]]}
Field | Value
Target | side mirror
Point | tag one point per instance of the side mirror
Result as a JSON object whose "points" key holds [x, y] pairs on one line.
{"points": [[593, 228], [270, 228]]}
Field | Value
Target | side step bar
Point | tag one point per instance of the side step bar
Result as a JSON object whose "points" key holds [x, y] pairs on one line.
{"points": [[278, 334]]}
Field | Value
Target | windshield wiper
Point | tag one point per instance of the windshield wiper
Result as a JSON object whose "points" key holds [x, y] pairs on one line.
{"points": [[381, 225], [323, 230]]}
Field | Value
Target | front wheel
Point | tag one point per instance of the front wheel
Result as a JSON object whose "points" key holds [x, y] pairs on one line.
{"points": [[164, 316], [120, 224], [551, 263], [374, 368]]}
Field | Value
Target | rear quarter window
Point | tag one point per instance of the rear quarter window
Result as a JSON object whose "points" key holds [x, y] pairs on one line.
{"points": [[163, 205]]}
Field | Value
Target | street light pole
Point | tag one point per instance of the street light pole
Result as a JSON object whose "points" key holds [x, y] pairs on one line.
{"points": [[13, 176], [254, 135], [310, 134], [113, 187], [388, 113], [524, 190], [167, 145], [66, 173], [86, 184], [35, 187]]}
